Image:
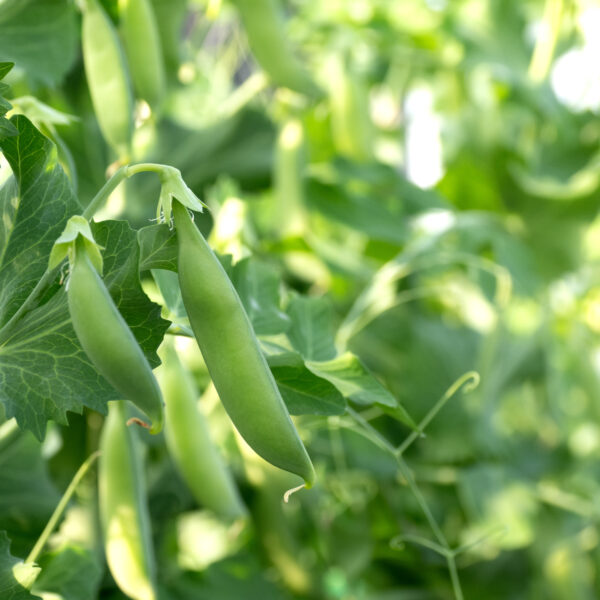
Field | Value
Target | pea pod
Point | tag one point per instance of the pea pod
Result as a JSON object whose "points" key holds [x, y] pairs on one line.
{"points": [[140, 35], [288, 185], [232, 354], [107, 339], [123, 511], [265, 27], [189, 443], [107, 76]]}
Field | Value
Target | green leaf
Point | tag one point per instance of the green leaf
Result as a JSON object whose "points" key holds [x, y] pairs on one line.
{"points": [[12, 568], [311, 330], [34, 213], [72, 573], [5, 68], [258, 287], [27, 496], [42, 39], [43, 369], [158, 248], [304, 392], [6, 127], [353, 379]]}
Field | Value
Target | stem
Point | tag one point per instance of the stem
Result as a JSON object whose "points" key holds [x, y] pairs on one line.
{"points": [[414, 488], [454, 577], [469, 380], [105, 191], [58, 511], [398, 543]]}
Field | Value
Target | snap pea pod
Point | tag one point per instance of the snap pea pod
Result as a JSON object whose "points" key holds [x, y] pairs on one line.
{"points": [[139, 31], [232, 354], [265, 27], [107, 76], [189, 442], [123, 510], [107, 339]]}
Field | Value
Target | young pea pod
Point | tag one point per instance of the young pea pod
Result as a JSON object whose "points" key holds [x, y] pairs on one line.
{"points": [[351, 127], [107, 339], [232, 354], [107, 76], [139, 31], [288, 184], [189, 442], [265, 27], [123, 510]]}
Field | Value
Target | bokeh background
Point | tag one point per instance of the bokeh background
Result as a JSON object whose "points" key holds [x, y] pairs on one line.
{"points": [[439, 188]]}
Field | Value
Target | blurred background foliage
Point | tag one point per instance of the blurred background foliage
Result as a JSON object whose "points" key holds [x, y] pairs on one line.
{"points": [[439, 187]]}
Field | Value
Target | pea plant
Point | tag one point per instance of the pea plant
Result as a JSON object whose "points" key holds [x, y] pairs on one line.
{"points": [[246, 349]]}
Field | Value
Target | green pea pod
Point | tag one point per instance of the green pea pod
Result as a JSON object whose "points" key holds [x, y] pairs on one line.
{"points": [[351, 126], [288, 185], [139, 31], [265, 27], [189, 442], [123, 510], [107, 339], [232, 354], [107, 76]]}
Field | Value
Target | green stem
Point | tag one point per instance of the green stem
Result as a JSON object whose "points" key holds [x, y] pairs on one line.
{"points": [[398, 543], [56, 515], [470, 380], [105, 191], [454, 577]]}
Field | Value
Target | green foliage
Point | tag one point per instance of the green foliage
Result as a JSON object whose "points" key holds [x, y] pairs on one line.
{"points": [[434, 225]]}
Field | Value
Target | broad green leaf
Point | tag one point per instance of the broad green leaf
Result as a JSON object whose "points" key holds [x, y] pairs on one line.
{"points": [[357, 383], [241, 576], [6, 127], [42, 39], [72, 573], [311, 330], [358, 211], [258, 288], [304, 392], [43, 369], [5, 68], [158, 247], [12, 572], [27, 496], [34, 213]]}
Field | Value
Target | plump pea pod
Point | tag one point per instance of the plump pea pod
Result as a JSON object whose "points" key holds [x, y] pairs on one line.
{"points": [[123, 509], [265, 27], [351, 126], [232, 354], [107, 76], [189, 442], [108, 341], [139, 31], [288, 185]]}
